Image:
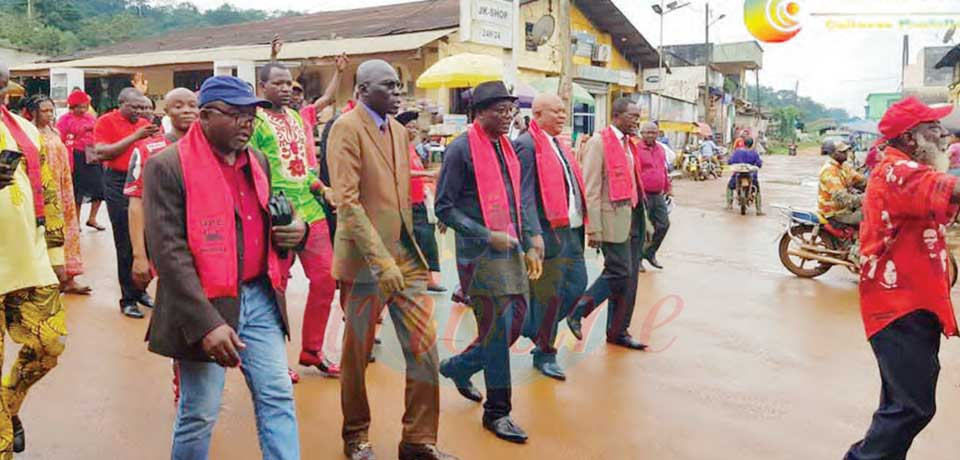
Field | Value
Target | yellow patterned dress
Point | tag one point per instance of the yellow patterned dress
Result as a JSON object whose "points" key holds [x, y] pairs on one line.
{"points": [[58, 159]]}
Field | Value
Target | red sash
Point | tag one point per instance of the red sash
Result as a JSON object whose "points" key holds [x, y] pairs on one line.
{"points": [[553, 182], [211, 217], [31, 153], [622, 183], [490, 187]]}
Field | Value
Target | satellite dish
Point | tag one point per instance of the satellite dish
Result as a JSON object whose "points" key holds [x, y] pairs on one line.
{"points": [[543, 30]]}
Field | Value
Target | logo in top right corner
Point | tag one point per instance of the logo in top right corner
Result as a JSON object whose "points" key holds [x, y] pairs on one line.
{"points": [[772, 21]]}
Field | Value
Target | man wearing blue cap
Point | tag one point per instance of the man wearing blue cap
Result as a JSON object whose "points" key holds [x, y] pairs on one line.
{"points": [[220, 300]]}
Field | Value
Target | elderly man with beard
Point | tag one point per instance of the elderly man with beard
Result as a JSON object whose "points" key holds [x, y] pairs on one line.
{"points": [[551, 170], [904, 285], [378, 263]]}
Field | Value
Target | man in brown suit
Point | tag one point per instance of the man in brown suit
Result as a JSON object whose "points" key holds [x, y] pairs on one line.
{"points": [[219, 288], [615, 226], [378, 263]]}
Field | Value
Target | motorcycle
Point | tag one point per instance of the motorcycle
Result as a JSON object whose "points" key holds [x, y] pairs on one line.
{"points": [[809, 238], [792, 150], [691, 166], [744, 188]]}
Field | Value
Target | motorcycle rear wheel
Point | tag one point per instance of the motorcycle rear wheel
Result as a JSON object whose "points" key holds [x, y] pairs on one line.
{"points": [[797, 265]]}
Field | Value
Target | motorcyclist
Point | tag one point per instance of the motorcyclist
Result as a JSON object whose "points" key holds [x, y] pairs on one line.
{"points": [[745, 155], [841, 186]]}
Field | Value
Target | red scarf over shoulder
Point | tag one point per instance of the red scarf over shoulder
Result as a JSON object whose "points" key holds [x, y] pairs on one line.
{"points": [[490, 187], [211, 217], [622, 181], [31, 154], [552, 179]]}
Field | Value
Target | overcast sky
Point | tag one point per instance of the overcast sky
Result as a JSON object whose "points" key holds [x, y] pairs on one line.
{"points": [[835, 67]]}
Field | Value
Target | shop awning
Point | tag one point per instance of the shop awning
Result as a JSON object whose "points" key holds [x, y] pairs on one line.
{"points": [[678, 126], [291, 51]]}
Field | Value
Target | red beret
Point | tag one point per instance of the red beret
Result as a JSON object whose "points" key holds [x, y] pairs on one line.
{"points": [[77, 98], [908, 113]]}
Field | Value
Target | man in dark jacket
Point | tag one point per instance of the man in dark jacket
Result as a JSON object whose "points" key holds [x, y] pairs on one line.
{"points": [[479, 196], [219, 289], [550, 169]]}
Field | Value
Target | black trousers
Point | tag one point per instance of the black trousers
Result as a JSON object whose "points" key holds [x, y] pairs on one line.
{"points": [[426, 235], [907, 353], [499, 320], [117, 204], [618, 281], [656, 205]]}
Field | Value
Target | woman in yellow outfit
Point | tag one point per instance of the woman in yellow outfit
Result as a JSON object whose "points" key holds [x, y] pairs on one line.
{"points": [[29, 289]]}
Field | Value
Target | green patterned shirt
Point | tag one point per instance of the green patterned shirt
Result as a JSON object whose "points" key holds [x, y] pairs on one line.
{"points": [[282, 139]]}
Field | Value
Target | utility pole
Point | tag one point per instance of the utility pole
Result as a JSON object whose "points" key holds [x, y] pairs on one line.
{"points": [[565, 86], [29, 9], [706, 66], [660, 82], [515, 42], [759, 108]]}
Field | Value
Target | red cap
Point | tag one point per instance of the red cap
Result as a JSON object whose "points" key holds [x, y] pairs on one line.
{"points": [[77, 98], [908, 113]]}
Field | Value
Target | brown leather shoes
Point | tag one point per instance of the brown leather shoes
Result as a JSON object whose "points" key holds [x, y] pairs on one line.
{"points": [[422, 452], [359, 451]]}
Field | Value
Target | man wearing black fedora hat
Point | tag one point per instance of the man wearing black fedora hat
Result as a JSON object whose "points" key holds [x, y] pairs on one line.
{"points": [[479, 196]]}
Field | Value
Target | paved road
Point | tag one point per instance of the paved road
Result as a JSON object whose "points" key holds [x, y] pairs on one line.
{"points": [[747, 362]]}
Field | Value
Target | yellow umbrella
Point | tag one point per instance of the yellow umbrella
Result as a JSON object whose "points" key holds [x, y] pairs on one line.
{"points": [[462, 71]]}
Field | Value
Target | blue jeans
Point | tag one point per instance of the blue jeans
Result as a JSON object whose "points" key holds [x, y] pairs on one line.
{"points": [[264, 366]]}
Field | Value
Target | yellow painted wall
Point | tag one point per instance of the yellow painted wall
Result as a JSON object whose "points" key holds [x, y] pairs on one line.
{"points": [[580, 23]]}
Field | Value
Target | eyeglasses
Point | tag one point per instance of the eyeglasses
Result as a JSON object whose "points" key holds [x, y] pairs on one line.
{"points": [[240, 118], [506, 110]]}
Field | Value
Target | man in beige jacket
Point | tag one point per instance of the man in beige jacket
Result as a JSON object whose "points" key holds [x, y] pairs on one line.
{"points": [[616, 224], [378, 263]]}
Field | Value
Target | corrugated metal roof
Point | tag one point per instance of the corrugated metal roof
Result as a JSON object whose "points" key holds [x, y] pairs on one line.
{"points": [[298, 50], [363, 22]]}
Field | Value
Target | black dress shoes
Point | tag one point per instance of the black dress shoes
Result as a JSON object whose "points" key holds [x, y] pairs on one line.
{"points": [[131, 310], [146, 300], [575, 321], [422, 452], [550, 369], [359, 451], [654, 263], [505, 429], [627, 342], [19, 439], [464, 386]]}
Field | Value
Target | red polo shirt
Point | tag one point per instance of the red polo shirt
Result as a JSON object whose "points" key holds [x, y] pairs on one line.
{"points": [[252, 218], [903, 254], [112, 128]]}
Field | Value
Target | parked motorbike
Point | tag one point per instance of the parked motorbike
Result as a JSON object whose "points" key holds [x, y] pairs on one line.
{"points": [[744, 188], [792, 150], [811, 245]]}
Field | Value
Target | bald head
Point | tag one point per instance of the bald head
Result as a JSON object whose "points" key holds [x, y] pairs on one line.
{"points": [[374, 70], [550, 113], [379, 86], [180, 104], [178, 93]]}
